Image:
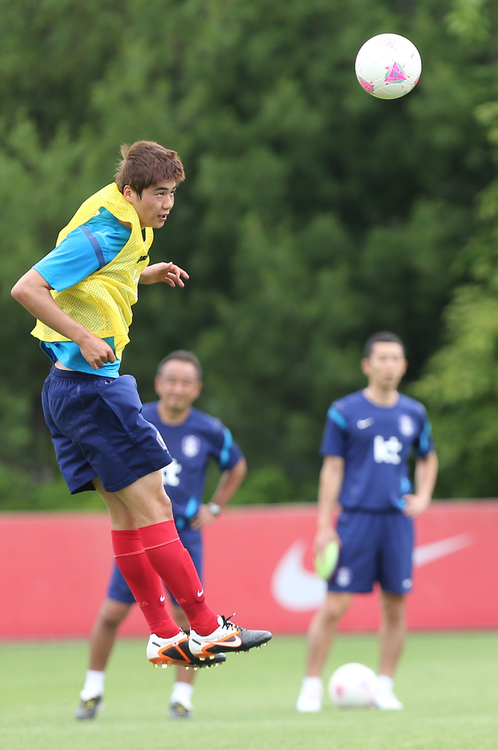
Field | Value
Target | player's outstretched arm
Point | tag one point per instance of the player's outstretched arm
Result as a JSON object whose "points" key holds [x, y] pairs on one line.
{"points": [[426, 469], [168, 273], [32, 291]]}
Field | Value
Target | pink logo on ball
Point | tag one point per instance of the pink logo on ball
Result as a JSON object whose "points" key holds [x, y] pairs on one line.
{"points": [[366, 85], [396, 73]]}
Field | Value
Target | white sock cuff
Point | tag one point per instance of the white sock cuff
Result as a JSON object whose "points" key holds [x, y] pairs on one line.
{"points": [[385, 681], [182, 692], [313, 682], [94, 684]]}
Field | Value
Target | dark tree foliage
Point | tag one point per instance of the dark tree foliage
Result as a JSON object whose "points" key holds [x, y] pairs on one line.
{"points": [[312, 214]]}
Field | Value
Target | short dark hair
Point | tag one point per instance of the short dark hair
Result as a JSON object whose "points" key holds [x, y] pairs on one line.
{"points": [[381, 336], [147, 163], [183, 356]]}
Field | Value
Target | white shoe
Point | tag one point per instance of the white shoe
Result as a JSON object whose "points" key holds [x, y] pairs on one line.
{"points": [[167, 651], [310, 696], [387, 701]]}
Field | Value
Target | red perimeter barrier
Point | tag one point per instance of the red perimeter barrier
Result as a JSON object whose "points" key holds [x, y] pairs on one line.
{"points": [[55, 566]]}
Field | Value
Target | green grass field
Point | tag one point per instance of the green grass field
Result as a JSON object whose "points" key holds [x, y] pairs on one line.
{"points": [[448, 683]]}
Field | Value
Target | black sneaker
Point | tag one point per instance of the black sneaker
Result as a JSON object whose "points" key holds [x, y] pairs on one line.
{"points": [[90, 708], [167, 651], [227, 637], [179, 711]]}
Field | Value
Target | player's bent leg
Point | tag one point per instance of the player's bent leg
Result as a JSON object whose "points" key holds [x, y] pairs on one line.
{"points": [[320, 637], [392, 637], [146, 499], [168, 644], [165, 551]]}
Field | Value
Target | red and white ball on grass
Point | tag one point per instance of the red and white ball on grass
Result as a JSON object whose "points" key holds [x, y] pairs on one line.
{"points": [[388, 66]]}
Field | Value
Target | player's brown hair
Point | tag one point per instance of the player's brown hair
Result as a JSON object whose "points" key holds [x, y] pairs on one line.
{"points": [[146, 163]]}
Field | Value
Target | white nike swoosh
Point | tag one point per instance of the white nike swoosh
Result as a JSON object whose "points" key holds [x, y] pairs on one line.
{"points": [[297, 589], [234, 641], [293, 586], [200, 593], [362, 424], [162, 598], [427, 553]]}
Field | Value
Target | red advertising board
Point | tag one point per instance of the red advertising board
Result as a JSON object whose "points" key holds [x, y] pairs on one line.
{"points": [[54, 570]]}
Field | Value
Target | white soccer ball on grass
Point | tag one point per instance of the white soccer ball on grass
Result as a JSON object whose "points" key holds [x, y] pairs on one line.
{"points": [[353, 686]]}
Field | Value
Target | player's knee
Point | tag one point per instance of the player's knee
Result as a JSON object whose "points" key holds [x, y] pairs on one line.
{"points": [[156, 506], [394, 610], [113, 614], [164, 503], [335, 608], [109, 622], [394, 617]]}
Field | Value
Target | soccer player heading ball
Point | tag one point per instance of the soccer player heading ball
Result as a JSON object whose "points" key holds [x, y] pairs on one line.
{"points": [[82, 295]]}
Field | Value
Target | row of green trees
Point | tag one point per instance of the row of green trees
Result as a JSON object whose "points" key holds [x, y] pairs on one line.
{"points": [[312, 214]]}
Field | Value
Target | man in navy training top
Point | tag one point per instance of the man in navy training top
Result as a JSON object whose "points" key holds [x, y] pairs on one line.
{"points": [[82, 294], [368, 438], [192, 437]]}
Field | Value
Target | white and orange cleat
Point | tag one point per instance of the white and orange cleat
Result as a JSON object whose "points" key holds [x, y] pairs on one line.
{"points": [[228, 638], [164, 652]]}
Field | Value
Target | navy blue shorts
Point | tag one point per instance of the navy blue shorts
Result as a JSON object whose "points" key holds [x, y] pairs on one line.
{"points": [[375, 547], [98, 430], [120, 591]]}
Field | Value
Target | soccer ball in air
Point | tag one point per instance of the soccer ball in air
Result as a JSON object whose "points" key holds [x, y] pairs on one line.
{"points": [[353, 686], [388, 66]]}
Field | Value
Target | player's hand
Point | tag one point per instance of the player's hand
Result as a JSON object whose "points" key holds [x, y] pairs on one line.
{"points": [[169, 273], [203, 518], [415, 505], [97, 352], [323, 537]]}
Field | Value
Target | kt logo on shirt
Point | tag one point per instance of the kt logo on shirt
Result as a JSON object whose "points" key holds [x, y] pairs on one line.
{"points": [[387, 451], [170, 473]]}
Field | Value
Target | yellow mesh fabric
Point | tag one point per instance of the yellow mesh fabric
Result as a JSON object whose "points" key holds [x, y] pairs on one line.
{"points": [[102, 302]]}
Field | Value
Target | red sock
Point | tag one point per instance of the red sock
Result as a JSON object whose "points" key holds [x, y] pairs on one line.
{"points": [[143, 581], [171, 560]]}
